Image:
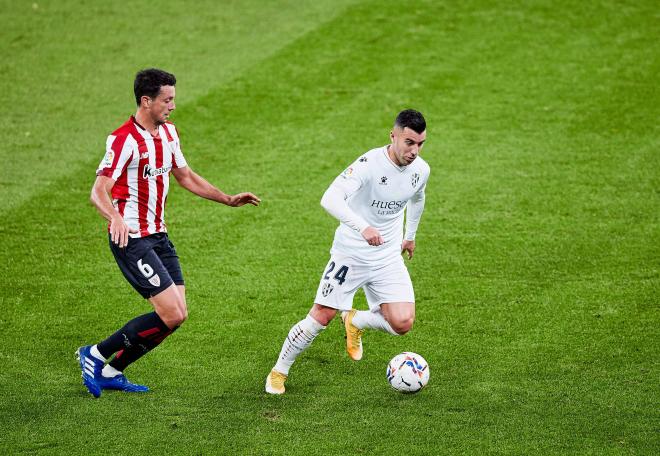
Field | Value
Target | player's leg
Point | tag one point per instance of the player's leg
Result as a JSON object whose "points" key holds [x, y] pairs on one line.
{"points": [[129, 343], [184, 304], [170, 308], [302, 334], [392, 318], [300, 337], [140, 336], [391, 301], [334, 293], [399, 315], [145, 271], [369, 319]]}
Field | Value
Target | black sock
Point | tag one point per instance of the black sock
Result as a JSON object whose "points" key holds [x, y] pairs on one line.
{"points": [[140, 333], [127, 356]]}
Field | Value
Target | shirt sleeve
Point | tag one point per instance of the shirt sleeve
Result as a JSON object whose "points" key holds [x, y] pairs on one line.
{"points": [[335, 197], [414, 211], [178, 160], [118, 155]]}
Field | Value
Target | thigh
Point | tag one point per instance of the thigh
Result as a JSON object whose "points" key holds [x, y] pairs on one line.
{"points": [[182, 292], [389, 283], [183, 306], [341, 279], [168, 256], [142, 267], [168, 305]]}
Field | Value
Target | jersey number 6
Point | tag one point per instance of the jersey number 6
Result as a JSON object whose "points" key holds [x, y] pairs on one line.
{"points": [[145, 269], [340, 276]]}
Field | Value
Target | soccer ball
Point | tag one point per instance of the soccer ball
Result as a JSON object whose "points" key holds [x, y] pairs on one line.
{"points": [[408, 372]]}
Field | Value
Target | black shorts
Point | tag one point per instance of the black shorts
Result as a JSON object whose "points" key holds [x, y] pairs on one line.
{"points": [[150, 264]]}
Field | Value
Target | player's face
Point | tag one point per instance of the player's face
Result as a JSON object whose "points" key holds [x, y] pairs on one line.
{"points": [[406, 145], [161, 106]]}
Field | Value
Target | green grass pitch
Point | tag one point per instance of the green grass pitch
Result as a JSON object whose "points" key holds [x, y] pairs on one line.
{"points": [[538, 256]]}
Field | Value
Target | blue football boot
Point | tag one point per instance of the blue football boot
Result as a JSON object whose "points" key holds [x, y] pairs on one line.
{"points": [[91, 370], [121, 383]]}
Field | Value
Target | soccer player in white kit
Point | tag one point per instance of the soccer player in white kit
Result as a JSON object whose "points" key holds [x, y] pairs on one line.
{"points": [[369, 199]]}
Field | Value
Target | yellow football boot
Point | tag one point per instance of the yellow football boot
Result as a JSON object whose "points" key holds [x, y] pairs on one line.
{"points": [[275, 382], [353, 336]]}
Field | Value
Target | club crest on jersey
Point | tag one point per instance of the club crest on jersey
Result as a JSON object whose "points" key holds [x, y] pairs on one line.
{"points": [[327, 289], [148, 172], [383, 180], [347, 172], [414, 180]]}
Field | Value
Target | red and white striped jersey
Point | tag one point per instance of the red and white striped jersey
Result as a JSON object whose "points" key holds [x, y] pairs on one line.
{"points": [[140, 165]]}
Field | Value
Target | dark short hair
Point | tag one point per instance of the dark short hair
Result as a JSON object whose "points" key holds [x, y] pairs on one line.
{"points": [[148, 82], [411, 119]]}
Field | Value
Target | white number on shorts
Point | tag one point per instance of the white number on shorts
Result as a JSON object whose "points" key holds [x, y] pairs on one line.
{"points": [[145, 269]]}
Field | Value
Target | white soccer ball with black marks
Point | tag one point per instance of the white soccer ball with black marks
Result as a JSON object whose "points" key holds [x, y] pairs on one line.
{"points": [[408, 372]]}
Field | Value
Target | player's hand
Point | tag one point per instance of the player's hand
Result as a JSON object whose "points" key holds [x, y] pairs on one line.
{"points": [[119, 231], [372, 236], [408, 246], [242, 199]]}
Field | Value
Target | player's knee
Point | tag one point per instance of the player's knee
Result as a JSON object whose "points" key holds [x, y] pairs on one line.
{"points": [[181, 316], [322, 314], [174, 316], [179, 312], [402, 326]]}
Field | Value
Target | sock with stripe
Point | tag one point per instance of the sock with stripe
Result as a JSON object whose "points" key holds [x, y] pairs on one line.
{"points": [[300, 337], [364, 319], [141, 333], [127, 356]]}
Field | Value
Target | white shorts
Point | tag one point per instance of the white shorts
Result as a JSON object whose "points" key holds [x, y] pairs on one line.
{"points": [[382, 283]]}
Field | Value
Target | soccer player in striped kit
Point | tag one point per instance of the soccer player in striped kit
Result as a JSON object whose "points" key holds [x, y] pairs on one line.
{"points": [[130, 192], [368, 199]]}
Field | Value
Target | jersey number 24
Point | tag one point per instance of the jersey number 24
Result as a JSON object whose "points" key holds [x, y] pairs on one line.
{"points": [[340, 275]]}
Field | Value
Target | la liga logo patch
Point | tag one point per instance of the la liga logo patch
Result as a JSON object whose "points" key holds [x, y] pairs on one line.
{"points": [[109, 157]]}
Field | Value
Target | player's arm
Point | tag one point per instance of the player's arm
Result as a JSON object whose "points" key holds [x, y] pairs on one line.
{"points": [[102, 200], [414, 210], [334, 201], [196, 184]]}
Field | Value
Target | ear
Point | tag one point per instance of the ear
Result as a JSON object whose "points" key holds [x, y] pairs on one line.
{"points": [[145, 101]]}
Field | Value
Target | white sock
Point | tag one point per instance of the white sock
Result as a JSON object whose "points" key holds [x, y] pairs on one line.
{"points": [[109, 371], [96, 353], [364, 319], [299, 338]]}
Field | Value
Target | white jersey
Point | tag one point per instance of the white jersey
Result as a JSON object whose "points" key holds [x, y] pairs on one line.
{"points": [[377, 191]]}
